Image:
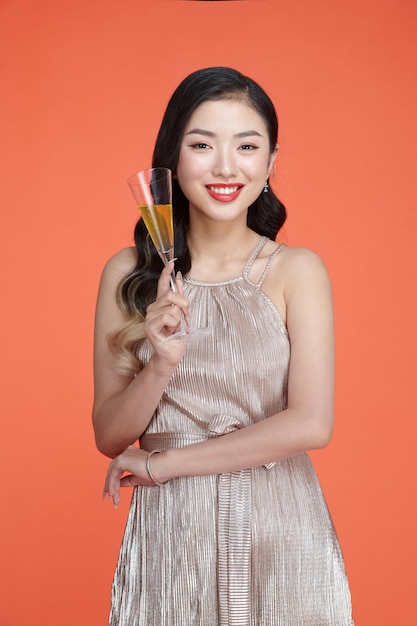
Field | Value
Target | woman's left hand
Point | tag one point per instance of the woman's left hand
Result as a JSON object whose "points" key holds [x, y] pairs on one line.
{"points": [[132, 460]]}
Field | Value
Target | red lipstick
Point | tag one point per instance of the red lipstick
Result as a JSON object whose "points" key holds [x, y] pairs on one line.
{"points": [[224, 192]]}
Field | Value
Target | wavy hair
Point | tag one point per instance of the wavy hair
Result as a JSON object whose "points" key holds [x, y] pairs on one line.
{"points": [[265, 216]]}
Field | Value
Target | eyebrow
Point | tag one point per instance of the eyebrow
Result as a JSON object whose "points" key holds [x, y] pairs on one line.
{"points": [[208, 133]]}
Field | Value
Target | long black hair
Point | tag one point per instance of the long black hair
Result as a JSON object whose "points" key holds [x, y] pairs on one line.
{"points": [[265, 216]]}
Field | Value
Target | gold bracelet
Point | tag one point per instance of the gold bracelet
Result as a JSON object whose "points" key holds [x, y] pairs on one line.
{"points": [[148, 468]]}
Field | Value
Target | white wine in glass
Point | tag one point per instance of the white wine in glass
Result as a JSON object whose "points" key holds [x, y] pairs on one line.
{"points": [[159, 223], [152, 190]]}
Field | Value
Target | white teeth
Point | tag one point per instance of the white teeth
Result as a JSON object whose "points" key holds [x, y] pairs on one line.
{"points": [[224, 190]]}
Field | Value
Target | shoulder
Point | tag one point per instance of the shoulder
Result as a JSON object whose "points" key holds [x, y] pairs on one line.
{"points": [[304, 277], [115, 269], [120, 264], [123, 260], [108, 313], [301, 262], [292, 265], [296, 277]]}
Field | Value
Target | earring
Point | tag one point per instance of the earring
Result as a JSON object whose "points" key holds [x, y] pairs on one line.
{"points": [[266, 186]]}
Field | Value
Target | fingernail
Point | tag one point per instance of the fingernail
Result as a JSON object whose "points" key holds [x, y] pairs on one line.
{"points": [[179, 275]]}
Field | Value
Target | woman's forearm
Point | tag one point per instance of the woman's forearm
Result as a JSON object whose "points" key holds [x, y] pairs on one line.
{"points": [[279, 436], [121, 419]]}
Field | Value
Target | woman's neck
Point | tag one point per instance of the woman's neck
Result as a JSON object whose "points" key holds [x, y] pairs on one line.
{"points": [[220, 253]]}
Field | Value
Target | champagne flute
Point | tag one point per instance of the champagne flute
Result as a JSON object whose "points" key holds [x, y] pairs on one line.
{"points": [[152, 190]]}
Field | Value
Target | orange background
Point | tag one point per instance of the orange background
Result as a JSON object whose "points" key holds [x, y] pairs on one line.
{"points": [[84, 88]]}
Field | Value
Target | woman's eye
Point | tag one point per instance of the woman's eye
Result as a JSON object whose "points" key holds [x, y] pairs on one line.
{"points": [[248, 146], [200, 146]]}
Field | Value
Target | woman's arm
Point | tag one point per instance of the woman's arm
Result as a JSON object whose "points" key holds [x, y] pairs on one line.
{"points": [[307, 422], [124, 405]]}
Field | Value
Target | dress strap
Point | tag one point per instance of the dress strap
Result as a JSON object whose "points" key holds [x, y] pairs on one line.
{"points": [[269, 262], [262, 241]]}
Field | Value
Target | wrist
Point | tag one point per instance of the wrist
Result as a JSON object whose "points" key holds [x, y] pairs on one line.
{"points": [[162, 367], [151, 472], [159, 467]]}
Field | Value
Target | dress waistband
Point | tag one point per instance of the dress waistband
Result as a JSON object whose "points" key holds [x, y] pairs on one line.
{"points": [[164, 441]]}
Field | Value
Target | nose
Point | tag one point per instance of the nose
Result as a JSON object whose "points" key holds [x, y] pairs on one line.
{"points": [[224, 165]]}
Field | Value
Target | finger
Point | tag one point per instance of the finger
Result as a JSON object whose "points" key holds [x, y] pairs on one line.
{"points": [[115, 472], [130, 481], [114, 493], [164, 323], [110, 470], [106, 485], [179, 283], [113, 484], [164, 281], [180, 289]]}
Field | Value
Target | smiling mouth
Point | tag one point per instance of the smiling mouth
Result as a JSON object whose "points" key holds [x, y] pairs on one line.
{"points": [[224, 190], [224, 193]]}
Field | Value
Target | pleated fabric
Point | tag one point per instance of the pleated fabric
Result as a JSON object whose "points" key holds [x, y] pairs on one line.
{"points": [[249, 548]]}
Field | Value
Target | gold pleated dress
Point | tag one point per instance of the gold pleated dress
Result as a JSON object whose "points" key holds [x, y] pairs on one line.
{"points": [[250, 548]]}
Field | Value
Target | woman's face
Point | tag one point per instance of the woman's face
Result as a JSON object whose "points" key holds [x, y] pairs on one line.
{"points": [[224, 159]]}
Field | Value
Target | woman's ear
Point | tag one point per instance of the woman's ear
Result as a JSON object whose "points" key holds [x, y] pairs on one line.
{"points": [[272, 159]]}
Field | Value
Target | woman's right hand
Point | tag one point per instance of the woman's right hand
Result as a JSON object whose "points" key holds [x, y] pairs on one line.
{"points": [[164, 317]]}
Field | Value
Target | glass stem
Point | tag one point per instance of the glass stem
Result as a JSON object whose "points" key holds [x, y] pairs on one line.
{"points": [[167, 256]]}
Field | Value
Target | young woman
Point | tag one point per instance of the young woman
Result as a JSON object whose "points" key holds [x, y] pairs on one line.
{"points": [[228, 525]]}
